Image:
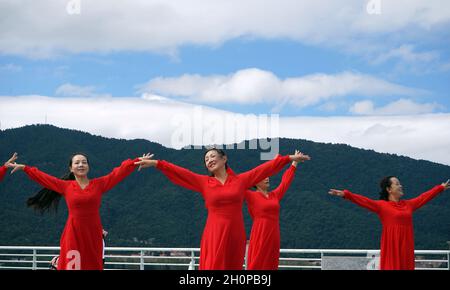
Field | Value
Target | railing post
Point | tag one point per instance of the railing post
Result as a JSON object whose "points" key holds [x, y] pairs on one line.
{"points": [[246, 253], [192, 263], [34, 260], [321, 260], [448, 260], [141, 266]]}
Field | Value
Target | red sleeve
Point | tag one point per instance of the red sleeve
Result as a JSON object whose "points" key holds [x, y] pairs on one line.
{"points": [[286, 181], [3, 170], [182, 176], [249, 200], [47, 181], [425, 197], [117, 175], [264, 170], [370, 204]]}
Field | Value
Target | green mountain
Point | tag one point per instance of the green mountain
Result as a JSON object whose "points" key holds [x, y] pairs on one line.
{"points": [[147, 210]]}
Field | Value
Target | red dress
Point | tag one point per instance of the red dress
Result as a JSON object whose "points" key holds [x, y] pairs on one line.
{"points": [[397, 238], [3, 170], [81, 239], [223, 241], [264, 248]]}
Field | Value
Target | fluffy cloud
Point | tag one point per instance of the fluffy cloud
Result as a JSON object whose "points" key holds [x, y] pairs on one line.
{"points": [[399, 107], [407, 53], [252, 86], [69, 90], [45, 28], [176, 124]]}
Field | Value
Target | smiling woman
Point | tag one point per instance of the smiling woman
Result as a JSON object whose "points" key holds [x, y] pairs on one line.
{"points": [[396, 216], [81, 241], [222, 246]]}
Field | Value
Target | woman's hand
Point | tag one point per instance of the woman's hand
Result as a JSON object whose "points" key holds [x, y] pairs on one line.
{"points": [[146, 161], [336, 192], [294, 163], [15, 166], [11, 160], [299, 157], [446, 185]]}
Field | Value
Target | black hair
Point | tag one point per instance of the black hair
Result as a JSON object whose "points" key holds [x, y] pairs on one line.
{"points": [[385, 183], [221, 154], [46, 200]]}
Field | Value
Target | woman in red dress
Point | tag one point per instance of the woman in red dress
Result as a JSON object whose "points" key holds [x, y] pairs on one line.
{"points": [[81, 240], [223, 241], [264, 208], [397, 238], [4, 168]]}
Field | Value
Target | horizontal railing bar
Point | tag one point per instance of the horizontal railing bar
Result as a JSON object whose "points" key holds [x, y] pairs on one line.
{"points": [[133, 257], [300, 259], [301, 267], [149, 257], [16, 261], [16, 255]]}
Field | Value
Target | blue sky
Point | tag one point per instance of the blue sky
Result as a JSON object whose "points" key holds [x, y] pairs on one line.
{"points": [[300, 59], [119, 73]]}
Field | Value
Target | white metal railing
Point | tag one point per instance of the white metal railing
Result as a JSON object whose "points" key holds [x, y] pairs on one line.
{"points": [[129, 258]]}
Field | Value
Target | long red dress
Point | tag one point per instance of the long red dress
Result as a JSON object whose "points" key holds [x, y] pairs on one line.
{"points": [[81, 239], [264, 248], [3, 170], [223, 241], [397, 238]]}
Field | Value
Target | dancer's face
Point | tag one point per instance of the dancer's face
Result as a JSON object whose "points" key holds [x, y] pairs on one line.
{"points": [[396, 189], [264, 184], [80, 166], [214, 161]]}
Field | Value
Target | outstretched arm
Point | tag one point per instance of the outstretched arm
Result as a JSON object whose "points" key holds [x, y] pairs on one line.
{"points": [[182, 176], [177, 174], [370, 204], [425, 197], [44, 179], [118, 174], [286, 181], [270, 168], [4, 168]]}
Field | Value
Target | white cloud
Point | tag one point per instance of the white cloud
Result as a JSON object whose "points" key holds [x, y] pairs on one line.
{"points": [[445, 67], [399, 107], [406, 53], [253, 86], [11, 68], [424, 136], [44, 28], [69, 90]]}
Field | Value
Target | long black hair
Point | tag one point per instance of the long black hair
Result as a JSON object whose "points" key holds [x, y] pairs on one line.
{"points": [[385, 183], [46, 200], [221, 154]]}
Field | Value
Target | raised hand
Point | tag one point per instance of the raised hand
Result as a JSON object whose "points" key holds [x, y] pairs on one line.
{"points": [[294, 163], [336, 192], [15, 167], [11, 160], [146, 161], [446, 185], [299, 157]]}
